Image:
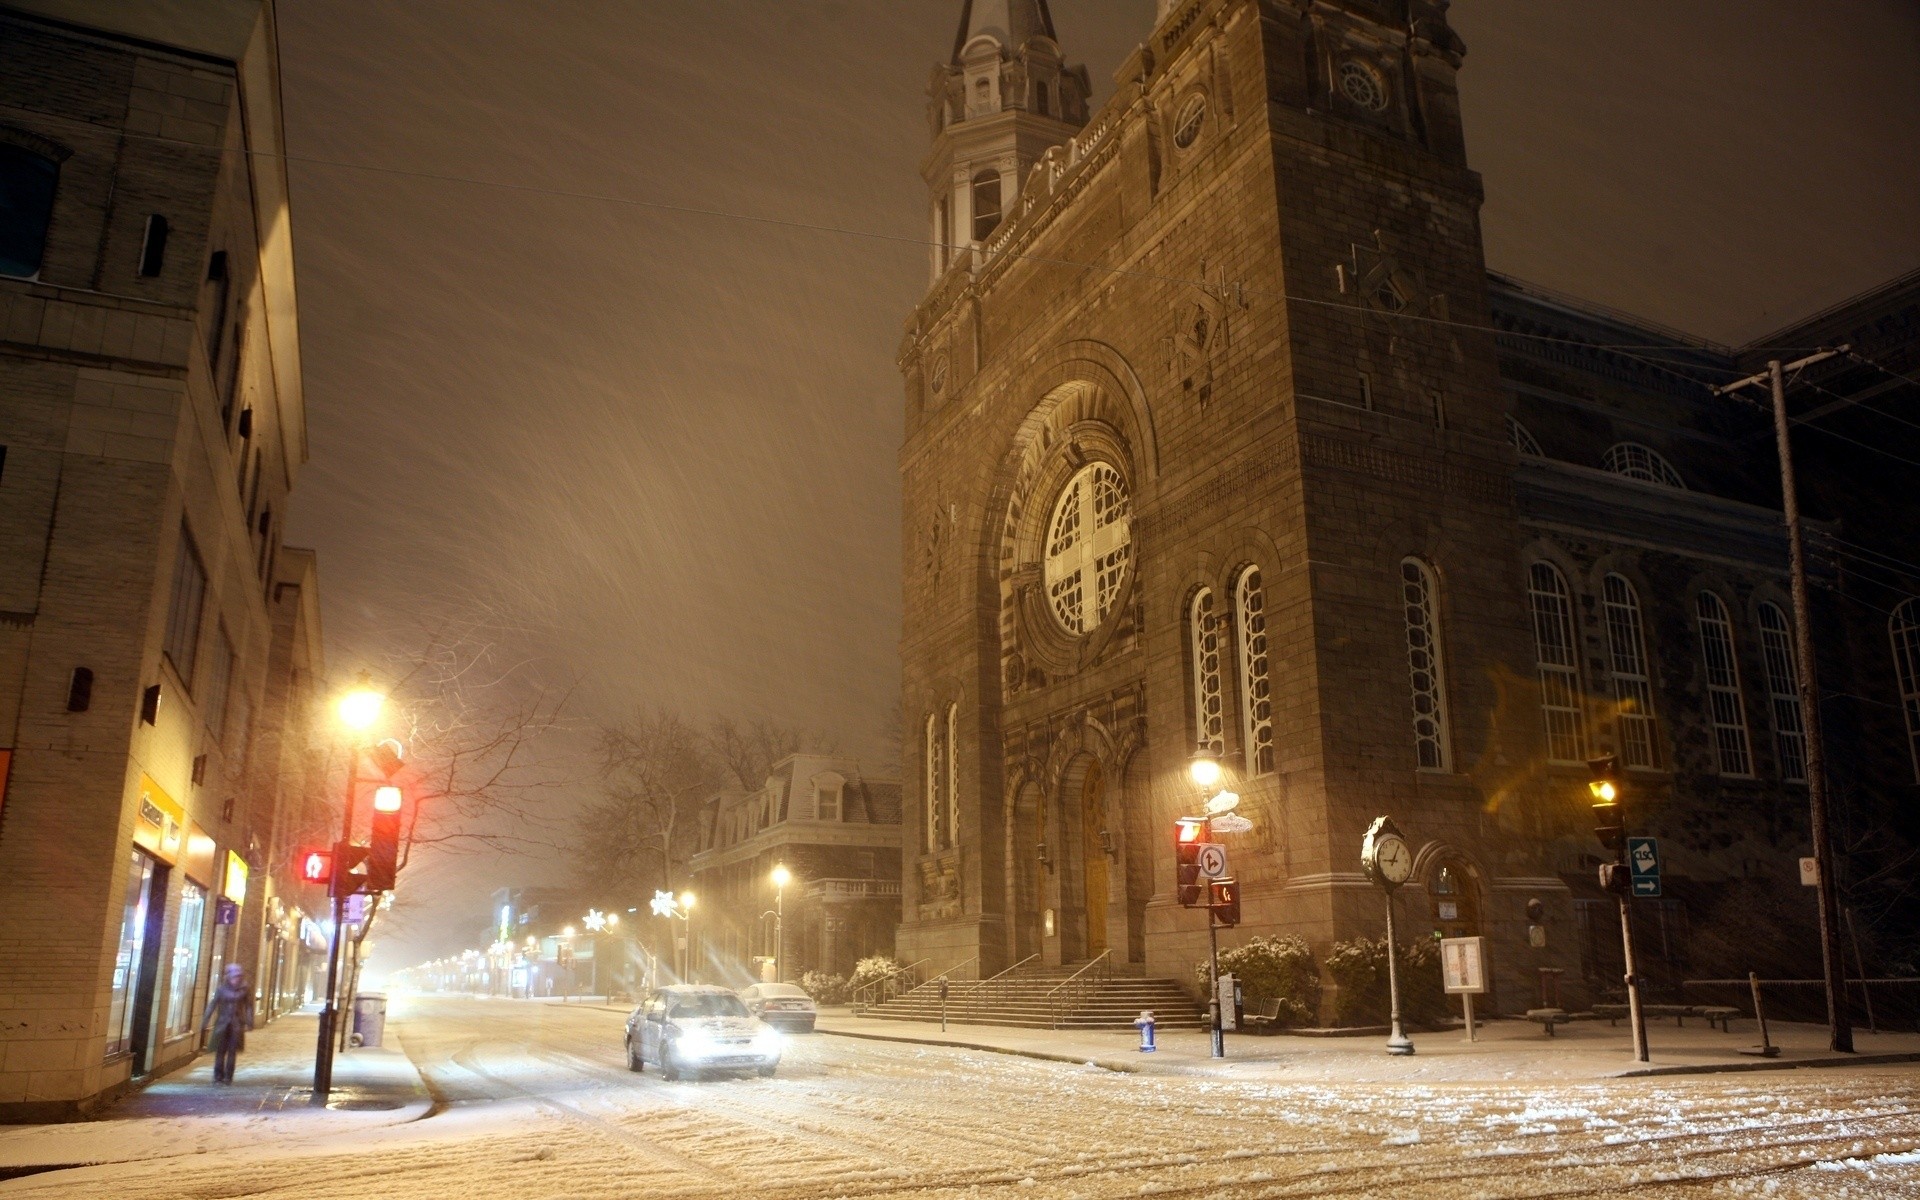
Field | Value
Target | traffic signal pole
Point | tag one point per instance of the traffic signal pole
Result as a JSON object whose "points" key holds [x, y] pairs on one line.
{"points": [[1839, 1022], [1636, 1016], [323, 1052]]}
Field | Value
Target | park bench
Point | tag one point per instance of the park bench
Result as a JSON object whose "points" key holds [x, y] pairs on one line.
{"points": [[1716, 1016], [1548, 1017]]}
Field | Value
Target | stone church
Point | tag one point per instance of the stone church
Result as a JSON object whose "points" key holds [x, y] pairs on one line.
{"points": [[1221, 436]]}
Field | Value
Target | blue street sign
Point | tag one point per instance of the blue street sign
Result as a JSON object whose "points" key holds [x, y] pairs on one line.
{"points": [[1643, 856]]}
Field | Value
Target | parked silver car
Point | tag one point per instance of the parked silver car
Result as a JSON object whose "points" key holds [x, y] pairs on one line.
{"points": [[781, 1005], [691, 1030]]}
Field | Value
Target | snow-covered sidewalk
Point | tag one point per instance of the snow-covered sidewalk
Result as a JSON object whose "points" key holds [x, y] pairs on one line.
{"points": [[186, 1113], [1506, 1050]]}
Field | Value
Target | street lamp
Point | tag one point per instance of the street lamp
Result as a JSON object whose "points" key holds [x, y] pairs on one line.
{"points": [[358, 709], [781, 878], [686, 914], [1204, 769]]}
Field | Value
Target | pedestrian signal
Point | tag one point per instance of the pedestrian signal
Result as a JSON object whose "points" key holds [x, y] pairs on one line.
{"points": [[1225, 901], [315, 866]]}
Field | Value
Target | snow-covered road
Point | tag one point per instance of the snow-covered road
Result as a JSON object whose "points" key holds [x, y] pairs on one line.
{"points": [[536, 1101]]}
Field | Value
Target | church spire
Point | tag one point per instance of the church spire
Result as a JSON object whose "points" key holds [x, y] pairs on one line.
{"points": [[1004, 98]]}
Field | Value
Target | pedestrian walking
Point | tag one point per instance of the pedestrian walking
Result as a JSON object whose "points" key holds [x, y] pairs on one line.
{"points": [[230, 1015]]}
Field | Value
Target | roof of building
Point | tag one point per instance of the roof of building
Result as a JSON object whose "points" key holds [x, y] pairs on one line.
{"points": [[1012, 23]]}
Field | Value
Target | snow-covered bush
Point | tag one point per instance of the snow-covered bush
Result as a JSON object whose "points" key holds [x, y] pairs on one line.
{"points": [[825, 988], [877, 966], [1359, 970], [1270, 970]]}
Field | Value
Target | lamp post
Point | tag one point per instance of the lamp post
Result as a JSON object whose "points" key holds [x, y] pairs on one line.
{"points": [[781, 878], [1203, 768], [359, 709], [686, 914]]}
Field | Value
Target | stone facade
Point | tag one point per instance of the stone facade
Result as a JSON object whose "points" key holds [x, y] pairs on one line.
{"points": [[156, 641], [1209, 441], [837, 831]]}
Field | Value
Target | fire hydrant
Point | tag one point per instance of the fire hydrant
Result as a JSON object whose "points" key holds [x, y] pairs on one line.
{"points": [[1145, 1026]]}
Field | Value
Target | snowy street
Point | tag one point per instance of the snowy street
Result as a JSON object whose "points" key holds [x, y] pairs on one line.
{"points": [[535, 1100]]}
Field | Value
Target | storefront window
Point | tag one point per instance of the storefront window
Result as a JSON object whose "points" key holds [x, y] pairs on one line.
{"points": [[126, 962], [186, 961]]}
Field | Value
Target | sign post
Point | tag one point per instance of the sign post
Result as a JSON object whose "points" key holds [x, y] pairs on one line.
{"points": [[1463, 969]]}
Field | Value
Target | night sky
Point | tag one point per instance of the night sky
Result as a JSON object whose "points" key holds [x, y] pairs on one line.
{"points": [[661, 445]]}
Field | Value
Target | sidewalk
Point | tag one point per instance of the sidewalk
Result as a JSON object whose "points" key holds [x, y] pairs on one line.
{"points": [[185, 1113], [1505, 1051]]}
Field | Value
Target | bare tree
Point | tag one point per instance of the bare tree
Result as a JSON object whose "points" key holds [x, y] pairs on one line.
{"points": [[747, 753], [657, 771]]}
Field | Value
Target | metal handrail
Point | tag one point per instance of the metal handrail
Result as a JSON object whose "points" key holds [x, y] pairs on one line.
{"points": [[874, 988], [997, 981], [1075, 983]]}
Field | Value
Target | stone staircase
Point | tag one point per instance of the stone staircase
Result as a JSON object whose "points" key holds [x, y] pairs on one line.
{"points": [[1022, 998]]}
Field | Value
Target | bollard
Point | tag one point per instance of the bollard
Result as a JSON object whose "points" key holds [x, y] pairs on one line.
{"points": [[1145, 1026]]}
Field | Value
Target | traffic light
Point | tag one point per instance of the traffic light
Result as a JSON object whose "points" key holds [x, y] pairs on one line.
{"points": [[1189, 834], [1226, 902], [1609, 825], [315, 866], [383, 848]]}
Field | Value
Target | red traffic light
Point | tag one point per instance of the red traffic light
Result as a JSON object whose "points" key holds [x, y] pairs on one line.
{"points": [[316, 866]]}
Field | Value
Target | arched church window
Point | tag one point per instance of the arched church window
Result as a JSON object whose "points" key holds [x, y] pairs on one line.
{"points": [[1256, 697], [26, 203], [1639, 462], [1904, 628], [1783, 690], [952, 827], [1558, 662], [1426, 668], [1523, 439], [1203, 646], [935, 772], [1726, 709], [1632, 683], [986, 204], [1089, 547], [1363, 85]]}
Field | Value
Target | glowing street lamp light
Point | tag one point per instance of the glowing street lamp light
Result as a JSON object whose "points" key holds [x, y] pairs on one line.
{"points": [[781, 878], [360, 707], [1204, 769]]}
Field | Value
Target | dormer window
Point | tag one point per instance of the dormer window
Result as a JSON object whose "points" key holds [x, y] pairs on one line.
{"points": [[827, 797]]}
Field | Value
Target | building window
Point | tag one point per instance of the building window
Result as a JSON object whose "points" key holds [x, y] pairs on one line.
{"points": [[127, 954], [1632, 682], [1363, 85], [1905, 630], [185, 975], [953, 774], [1783, 693], [1523, 440], [26, 207], [153, 248], [986, 204], [936, 771], [1089, 547], [1256, 699], [1043, 99], [826, 802], [183, 610], [1203, 644], [219, 683], [1635, 461], [1426, 667], [1187, 126], [1726, 711], [1554, 648]]}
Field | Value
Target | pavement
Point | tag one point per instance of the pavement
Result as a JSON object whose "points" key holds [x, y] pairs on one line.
{"points": [[1503, 1051], [185, 1112]]}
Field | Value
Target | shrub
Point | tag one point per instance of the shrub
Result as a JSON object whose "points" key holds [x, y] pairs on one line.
{"points": [[873, 967], [1272, 969], [1359, 969], [824, 988]]}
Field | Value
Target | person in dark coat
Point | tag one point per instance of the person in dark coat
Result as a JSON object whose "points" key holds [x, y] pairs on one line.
{"points": [[230, 1015]]}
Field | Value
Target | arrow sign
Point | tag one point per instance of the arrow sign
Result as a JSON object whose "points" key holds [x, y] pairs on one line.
{"points": [[1643, 858], [1213, 861]]}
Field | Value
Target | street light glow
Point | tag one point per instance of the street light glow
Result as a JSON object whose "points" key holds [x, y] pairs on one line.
{"points": [[1204, 770], [360, 708], [686, 900], [781, 876]]}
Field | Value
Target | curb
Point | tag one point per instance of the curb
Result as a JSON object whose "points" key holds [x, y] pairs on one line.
{"points": [[1772, 1064], [1125, 1068]]}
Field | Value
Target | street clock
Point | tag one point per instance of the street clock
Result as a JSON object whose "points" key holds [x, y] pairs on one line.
{"points": [[1385, 855]]}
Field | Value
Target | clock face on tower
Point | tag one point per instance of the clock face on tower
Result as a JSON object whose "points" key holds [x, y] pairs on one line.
{"points": [[1385, 855]]}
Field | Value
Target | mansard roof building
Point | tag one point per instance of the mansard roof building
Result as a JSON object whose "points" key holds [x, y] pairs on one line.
{"points": [[1220, 435]]}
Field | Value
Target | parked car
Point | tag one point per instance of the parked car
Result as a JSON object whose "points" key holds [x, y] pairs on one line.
{"points": [[691, 1030], [781, 1005]]}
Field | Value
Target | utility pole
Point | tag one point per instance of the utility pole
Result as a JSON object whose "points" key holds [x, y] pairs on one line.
{"points": [[1839, 1025]]}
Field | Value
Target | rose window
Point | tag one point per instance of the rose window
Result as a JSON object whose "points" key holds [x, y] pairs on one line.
{"points": [[1089, 547], [1363, 85]]}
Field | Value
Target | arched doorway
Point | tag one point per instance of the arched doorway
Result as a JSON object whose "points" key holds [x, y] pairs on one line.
{"points": [[1027, 854], [1454, 892]]}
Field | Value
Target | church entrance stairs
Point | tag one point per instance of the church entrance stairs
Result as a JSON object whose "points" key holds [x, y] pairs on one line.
{"points": [[1040, 997]]}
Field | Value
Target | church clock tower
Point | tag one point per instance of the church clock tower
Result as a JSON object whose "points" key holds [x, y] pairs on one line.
{"points": [[1003, 99]]}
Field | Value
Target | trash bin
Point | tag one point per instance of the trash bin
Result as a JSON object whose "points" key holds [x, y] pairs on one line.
{"points": [[369, 1018]]}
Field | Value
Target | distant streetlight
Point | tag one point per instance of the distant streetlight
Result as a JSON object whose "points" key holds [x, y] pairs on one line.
{"points": [[360, 707], [781, 878]]}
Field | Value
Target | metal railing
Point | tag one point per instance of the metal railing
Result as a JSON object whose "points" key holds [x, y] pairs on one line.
{"points": [[993, 989], [885, 988], [1072, 992]]}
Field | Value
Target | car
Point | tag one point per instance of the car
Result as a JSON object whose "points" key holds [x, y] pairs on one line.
{"points": [[692, 1030], [781, 1005]]}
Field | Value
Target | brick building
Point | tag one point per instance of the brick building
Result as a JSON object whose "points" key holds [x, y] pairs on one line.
{"points": [[836, 831], [1219, 433], [158, 645]]}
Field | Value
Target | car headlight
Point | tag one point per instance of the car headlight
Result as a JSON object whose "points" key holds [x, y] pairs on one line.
{"points": [[694, 1043], [767, 1041]]}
